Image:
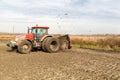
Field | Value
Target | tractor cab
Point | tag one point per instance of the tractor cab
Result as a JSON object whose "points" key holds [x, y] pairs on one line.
{"points": [[39, 32]]}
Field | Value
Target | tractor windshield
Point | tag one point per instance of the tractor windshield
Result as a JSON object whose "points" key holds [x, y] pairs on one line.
{"points": [[33, 31], [39, 32]]}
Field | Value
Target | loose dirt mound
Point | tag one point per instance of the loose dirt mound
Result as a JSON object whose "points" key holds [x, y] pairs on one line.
{"points": [[74, 64]]}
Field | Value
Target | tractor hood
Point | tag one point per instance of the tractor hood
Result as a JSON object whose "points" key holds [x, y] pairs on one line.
{"points": [[24, 37]]}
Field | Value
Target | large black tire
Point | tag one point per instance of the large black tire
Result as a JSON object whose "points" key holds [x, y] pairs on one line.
{"points": [[24, 47], [52, 45], [64, 45], [43, 45]]}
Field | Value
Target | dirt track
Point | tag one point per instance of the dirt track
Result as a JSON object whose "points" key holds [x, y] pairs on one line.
{"points": [[74, 64]]}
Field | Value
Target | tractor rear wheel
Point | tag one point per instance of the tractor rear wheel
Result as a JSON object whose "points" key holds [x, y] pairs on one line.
{"points": [[43, 45], [52, 45], [24, 47]]}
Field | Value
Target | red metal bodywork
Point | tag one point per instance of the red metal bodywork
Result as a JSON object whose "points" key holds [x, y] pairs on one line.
{"points": [[44, 27], [20, 38], [29, 36], [44, 37]]}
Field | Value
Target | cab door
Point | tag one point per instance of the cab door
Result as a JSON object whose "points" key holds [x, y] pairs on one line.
{"points": [[40, 33]]}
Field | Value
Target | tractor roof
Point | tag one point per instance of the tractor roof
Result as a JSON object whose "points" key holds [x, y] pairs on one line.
{"points": [[44, 27]]}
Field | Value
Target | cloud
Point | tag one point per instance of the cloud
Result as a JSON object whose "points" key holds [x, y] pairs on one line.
{"points": [[75, 8], [70, 14], [36, 8], [96, 8]]}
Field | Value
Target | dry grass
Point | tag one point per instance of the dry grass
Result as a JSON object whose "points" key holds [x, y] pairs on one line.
{"points": [[6, 37], [103, 42]]}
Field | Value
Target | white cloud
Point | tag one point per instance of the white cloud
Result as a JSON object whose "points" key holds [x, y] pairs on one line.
{"points": [[15, 3], [36, 3], [10, 14], [99, 8], [82, 15], [55, 7]]}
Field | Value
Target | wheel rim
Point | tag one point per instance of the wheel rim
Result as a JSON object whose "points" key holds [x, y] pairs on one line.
{"points": [[25, 47], [54, 46]]}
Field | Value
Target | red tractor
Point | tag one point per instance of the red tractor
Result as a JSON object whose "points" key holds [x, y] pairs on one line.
{"points": [[38, 38]]}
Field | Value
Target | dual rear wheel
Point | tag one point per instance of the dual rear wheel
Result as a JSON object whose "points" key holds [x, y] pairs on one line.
{"points": [[51, 45]]}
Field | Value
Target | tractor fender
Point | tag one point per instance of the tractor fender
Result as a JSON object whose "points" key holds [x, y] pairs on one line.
{"points": [[45, 36], [23, 41]]}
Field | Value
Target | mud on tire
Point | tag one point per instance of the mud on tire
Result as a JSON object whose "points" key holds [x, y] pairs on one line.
{"points": [[52, 45], [43, 45], [24, 47]]}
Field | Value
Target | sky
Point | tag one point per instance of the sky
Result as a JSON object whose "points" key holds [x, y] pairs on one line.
{"points": [[62, 16]]}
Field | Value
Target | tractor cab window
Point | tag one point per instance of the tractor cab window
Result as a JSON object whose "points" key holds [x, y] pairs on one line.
{"points": [[34, 31], [39, 32]]}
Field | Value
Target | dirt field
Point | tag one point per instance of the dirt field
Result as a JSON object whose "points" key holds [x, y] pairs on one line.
{"points": [[74, 64]]}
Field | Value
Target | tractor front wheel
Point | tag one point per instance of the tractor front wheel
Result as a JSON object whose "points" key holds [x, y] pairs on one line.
{"points": [[24, 47]]}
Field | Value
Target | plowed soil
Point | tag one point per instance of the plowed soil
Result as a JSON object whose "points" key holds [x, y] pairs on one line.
{"points": [[73, 64]]}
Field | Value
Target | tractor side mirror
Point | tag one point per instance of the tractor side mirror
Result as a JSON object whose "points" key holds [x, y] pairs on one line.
{"points": [[29, 30]]}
